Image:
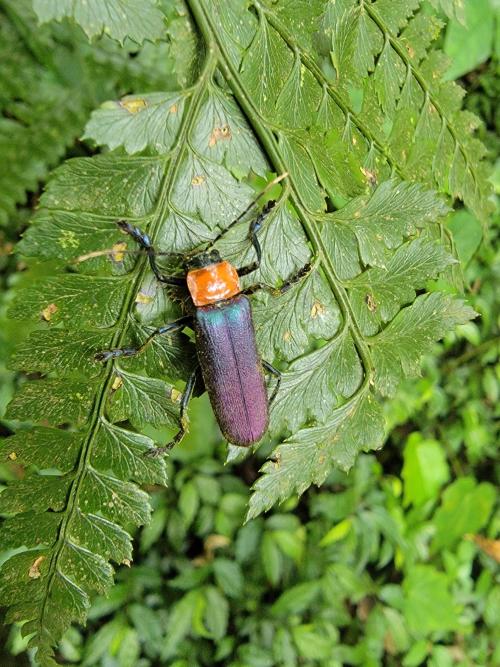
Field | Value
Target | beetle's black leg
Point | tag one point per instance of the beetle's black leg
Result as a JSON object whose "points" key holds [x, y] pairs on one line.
{"points": [[142, 239], [277, 374], [186, 397], [255, 225], [179, 324], [277, 291]]}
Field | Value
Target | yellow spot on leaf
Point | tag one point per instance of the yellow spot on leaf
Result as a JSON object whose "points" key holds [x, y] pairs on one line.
{"points": [[49, 311], [117, 383], [287, 335], [68, 239], [174, 108], [143, 298], [34, 571], [220, 134], [317, 310], [127, 562], [197, 180], [133, 105], [13, 456], [118, 254], [175, 395]]}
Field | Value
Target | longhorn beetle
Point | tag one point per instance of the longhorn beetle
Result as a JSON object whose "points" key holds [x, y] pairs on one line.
{"points": [[231, 368]]}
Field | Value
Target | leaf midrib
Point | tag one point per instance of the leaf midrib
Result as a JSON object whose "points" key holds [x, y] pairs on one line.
{"points": [[210, 34], [119, 337]]}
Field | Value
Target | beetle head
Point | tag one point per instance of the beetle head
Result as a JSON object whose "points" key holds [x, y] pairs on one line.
{"points": [[202, 259]]}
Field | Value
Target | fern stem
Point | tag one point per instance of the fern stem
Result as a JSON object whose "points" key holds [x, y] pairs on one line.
{"points": [[270, 145], [119, 337]]}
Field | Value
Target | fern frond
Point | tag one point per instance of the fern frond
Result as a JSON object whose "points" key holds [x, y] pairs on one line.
{"points": [[346, 334]]}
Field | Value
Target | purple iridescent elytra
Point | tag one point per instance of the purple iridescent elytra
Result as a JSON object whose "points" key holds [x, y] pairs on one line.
{"points": [[232, 369]]}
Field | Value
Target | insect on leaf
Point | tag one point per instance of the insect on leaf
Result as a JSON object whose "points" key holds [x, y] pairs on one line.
{"points": [[364, 203]]}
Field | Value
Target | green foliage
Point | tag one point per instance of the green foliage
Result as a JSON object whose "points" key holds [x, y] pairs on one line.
{"points": [[347, 98], [50, 80], [136, 19], [470, 43]]}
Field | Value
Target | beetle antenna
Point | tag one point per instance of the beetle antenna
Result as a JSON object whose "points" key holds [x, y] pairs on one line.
{"points": [[117, 252], [270, 185]]}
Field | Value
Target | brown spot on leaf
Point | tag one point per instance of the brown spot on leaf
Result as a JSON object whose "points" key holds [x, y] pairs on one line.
{"points": [[49, 311], [371, 303], [34, 571], [370, 176], [133, 105], [317, 310], [219, 134], [197, 180], [214, 542], [490, 547], [276, 460], [363, 609]]}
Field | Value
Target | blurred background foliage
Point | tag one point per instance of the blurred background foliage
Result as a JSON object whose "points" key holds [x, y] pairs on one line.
{"points": [[395, 563]]}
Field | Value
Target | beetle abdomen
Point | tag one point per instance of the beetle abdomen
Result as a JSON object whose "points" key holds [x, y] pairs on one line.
{"points": [[232, 369]]}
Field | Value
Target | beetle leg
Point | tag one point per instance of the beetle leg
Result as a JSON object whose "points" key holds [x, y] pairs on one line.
{"points": [[143, 240], [255, 226], [178, 325], [186, 397], [277, 291], [277, 374]]}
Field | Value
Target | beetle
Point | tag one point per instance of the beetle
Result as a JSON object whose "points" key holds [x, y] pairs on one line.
{"points": [[221, 318]]}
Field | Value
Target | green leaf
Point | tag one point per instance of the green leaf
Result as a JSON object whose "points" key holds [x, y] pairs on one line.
{"points": [[425, 469], [467, 234], [154, 396], [296, 599], [428, 604], [137, 123], [378, 293], [469, 42], [454, 9], [398, 348], [217, 615], [229, 577], [136, 19], [309, 456], [465, 508]]}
